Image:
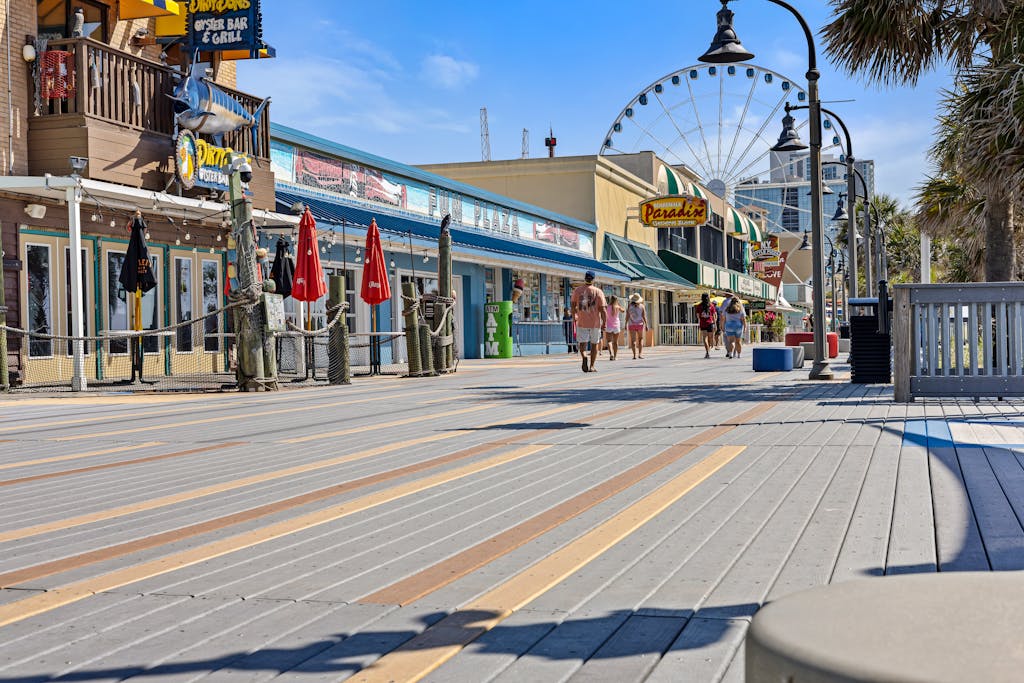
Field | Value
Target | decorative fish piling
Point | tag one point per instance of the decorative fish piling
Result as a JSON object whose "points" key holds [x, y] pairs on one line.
{"points": [[202, 107]]}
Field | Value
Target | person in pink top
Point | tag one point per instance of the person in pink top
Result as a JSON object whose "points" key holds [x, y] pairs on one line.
{"points": [[589, 309], [612, 326]]}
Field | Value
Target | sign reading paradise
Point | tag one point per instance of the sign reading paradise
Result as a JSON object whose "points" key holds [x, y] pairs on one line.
{"points": [[674, 211], [197, 163], [219, 25]]}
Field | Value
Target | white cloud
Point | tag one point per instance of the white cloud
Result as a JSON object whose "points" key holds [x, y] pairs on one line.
{"points": [[346, 103], [448, 72]]}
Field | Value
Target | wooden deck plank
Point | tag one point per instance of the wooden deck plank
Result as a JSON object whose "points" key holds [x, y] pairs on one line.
{"points": [[631, 652], [814, 557], [702, 652], [1001, 530], [912, 540]]}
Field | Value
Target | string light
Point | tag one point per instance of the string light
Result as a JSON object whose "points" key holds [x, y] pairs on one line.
{"points": [[211, 250], [113, 223], [426, 258], [218, 237], [148, 236], [188, 235], [391, 263], [177, 242], [95, 218]]}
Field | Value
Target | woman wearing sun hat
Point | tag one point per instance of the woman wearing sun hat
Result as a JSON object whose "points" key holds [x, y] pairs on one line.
{"points": [[636, 323]]}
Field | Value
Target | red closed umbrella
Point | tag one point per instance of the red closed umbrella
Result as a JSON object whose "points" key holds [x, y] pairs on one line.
{"points": [[375, 288], [308, 283]]}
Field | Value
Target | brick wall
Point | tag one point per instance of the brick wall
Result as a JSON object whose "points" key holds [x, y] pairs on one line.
{"points": [[15, 106]]}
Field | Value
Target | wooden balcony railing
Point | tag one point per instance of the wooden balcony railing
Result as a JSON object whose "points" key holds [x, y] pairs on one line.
{"points": [[122, 89]]}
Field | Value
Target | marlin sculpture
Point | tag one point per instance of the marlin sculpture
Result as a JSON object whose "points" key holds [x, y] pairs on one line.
{"points": [[202, 107]]}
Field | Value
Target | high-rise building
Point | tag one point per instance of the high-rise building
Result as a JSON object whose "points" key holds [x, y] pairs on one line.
{"points": [[785, 198]]}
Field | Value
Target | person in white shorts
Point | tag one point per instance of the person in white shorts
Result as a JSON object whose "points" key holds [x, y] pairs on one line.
{"points": [[589, 309]]}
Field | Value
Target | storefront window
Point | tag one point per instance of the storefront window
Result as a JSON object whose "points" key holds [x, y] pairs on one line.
{"points": [[40, 299], [489, 285], [67, 297], [529, 305], [117, 305], [56, 19], [183, 301], [211, 288], [151, 309], [555, 298]]}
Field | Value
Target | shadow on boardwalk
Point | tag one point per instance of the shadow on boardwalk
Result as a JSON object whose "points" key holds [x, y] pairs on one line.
{"points": [[614, 635]]}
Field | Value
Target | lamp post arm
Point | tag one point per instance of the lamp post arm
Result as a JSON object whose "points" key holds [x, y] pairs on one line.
{"points": [[856, 173], [812, 59], [846, 132]]}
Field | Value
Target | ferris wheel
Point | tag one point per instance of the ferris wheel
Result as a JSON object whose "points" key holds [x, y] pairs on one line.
{"points": [[720, 121]]}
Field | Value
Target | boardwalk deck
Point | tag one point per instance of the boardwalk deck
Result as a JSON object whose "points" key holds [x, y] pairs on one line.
{"points": [[518, 521]]}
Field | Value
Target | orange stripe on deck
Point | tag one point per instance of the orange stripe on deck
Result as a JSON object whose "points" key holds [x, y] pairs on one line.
{"points": [[121, 463]]}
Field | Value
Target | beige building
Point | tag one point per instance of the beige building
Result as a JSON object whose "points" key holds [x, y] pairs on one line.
{"points": [[607, 191]]}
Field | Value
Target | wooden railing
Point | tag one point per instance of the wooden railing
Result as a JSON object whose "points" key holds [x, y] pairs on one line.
{"points": [[958, 340], [126, 90]]}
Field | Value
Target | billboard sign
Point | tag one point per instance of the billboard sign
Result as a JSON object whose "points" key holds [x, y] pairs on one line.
{"points": [[674, 211], [221, 25]]}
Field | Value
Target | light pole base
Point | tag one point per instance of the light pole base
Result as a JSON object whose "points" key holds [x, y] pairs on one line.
{"points": [[821, 370]]}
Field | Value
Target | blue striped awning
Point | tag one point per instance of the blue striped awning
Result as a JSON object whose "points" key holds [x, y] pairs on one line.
{"points": [[341, 214]]}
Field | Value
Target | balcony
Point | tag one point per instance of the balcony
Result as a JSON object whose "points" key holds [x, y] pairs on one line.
{"points": [[117, 113]]}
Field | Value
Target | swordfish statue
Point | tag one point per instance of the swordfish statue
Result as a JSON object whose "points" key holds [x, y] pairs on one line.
{"points": [[202, 107]]}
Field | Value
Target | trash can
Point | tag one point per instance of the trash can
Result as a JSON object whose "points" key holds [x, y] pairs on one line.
{"points": [[870, 350], [498, 329], [844, 330]]}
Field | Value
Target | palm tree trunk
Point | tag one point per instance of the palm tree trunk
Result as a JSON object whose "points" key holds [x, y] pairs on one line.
{"points": [[1000, 251]]}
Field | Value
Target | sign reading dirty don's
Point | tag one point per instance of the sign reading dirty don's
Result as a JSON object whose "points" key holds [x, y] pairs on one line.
{"points": [[219, 25]]}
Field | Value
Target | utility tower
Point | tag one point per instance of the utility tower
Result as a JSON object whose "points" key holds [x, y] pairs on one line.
{"points": [[526, 144], [550, 142], [485, 136]]}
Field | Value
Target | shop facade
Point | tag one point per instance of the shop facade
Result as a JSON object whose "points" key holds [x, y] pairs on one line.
{"points": [[97, 145], [500, 245]]}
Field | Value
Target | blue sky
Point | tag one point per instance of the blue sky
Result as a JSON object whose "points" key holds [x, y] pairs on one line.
{"points": [[406, 80]]}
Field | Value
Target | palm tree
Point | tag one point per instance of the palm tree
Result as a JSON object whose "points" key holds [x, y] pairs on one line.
{"points": [[893, 43]]}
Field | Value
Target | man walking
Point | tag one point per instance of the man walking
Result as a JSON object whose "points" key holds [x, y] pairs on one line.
{"points": [[589, 311]]}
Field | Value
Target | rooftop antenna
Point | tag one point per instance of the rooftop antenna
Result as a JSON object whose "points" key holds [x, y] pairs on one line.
{"points": [[485, 136], [526, 144], [550, 143]]}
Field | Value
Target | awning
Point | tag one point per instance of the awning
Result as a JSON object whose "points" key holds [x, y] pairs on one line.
{"points": [[340, 214], [265, 52], [743, 227], [641, 262], [671, 181], [143, 9]]}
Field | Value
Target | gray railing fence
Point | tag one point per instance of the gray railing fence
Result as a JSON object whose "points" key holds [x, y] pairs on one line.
{"points": [[958, 340]]}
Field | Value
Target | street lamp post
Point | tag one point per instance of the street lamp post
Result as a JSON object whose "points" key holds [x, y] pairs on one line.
{"points": [[725, 49], [851, 182], [831, 268]]}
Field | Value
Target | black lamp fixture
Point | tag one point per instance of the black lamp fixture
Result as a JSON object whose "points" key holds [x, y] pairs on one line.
{"points": [[805, 245], [789, 139], [840, 214], [825, 189], [726, 47]]}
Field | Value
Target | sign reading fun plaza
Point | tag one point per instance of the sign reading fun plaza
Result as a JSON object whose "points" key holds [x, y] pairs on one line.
{"points": [[674, 211]]}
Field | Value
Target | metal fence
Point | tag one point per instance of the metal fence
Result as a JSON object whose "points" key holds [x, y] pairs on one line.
{"points": [[688, 334], [962, 340], [552, 335]]}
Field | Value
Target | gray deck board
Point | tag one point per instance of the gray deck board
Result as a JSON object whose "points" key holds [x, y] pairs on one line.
{"points": [[836, 482]]}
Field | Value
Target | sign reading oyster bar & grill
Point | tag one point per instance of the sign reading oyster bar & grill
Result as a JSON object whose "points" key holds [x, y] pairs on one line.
{"points": [[674, 211]]}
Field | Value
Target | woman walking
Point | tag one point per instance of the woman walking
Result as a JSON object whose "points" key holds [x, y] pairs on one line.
{"points": [[636, 323], [735, 326], [613, 327]]}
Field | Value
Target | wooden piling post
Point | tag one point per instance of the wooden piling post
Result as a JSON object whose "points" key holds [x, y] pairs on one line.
{"points": [[412, 334], [338, 368]]}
